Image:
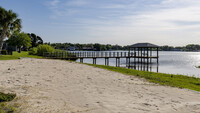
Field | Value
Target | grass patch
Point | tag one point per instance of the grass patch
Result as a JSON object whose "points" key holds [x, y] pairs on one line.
{"points": [[197, 66], [16, 55], [4, 107], [179, 81], [6, 97]]}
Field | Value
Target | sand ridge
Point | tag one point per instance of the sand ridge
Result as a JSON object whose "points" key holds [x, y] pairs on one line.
{"points": [[56, 86]]}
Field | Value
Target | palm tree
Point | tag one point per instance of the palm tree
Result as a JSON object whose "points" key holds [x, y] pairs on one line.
{"points": [[36, 40], [9, 23]]}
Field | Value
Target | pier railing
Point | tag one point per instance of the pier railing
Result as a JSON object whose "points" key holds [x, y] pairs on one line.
{"points": [[102, 54], [95, 55], [88, 54]]}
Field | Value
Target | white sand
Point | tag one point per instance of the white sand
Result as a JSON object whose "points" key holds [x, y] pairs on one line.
{"points": [[55, 86]]}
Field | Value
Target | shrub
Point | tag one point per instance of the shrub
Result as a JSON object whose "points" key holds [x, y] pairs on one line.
{"points": [[58, 50], [44, 48], [33, 51], [4, 52]]}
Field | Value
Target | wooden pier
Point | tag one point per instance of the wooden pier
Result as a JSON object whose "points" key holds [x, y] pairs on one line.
{"points": [[106, 55], [137, 53]]}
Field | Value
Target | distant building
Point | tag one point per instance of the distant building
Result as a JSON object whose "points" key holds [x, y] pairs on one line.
{"points": [[176, 49], [71, 48], [87, 49]]}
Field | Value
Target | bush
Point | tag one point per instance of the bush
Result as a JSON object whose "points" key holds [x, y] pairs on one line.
{"points": [[44, 48], [58, 50], [33, 51], [60, 53], [4, 52]]}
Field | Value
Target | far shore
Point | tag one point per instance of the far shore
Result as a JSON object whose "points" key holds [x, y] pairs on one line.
{"points": [[44, 85]]}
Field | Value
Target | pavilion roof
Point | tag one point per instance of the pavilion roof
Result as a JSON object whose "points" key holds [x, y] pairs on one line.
{"points": [[143, 45]]}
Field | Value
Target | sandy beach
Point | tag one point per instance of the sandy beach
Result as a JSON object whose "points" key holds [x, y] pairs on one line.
{"points": [[55, 86]]}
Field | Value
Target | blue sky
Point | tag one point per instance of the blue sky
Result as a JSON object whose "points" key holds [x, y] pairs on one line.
{"points": [[123, 22]]}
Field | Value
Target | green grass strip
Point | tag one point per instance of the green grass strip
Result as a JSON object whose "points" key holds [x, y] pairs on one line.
{"points": [[197, 66], [17, 55], [179, 81], [6, 97], [5, 107]]}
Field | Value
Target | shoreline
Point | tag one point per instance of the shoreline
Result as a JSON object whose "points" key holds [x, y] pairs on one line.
{"points": [[180, 81], [44, 85]]}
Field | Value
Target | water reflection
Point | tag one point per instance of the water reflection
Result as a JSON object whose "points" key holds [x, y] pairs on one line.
{"points": [[137, 65], [151, 67]]}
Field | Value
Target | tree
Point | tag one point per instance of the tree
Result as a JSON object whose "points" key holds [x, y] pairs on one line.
{"points": [[20, 40], [36, 40], [97, 46], [9, 23], [192, 47]]}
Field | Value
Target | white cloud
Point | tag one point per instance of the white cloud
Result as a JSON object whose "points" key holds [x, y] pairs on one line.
{"points": [[114, 6], [60, 10], [54, 3], [76, 3]]}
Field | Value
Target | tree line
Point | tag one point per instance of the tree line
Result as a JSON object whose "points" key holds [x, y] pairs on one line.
{"points": [[107, 47], [189, 47], [95, 47]]}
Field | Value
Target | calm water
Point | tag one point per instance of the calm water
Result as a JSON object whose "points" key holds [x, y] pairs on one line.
{"points": [[169, 62]]}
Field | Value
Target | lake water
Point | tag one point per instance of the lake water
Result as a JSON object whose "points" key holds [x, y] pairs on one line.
{"points": [[169, 62]]}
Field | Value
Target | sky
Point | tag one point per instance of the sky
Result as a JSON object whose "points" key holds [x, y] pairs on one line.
{"points": [[122, 22]]}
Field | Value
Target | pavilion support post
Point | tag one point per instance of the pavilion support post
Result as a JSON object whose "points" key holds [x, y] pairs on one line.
{"points": [[118, 62], [138, 55], [157, 55], [126, 62], [147, 56], [129, 62], [134, 67], [94, 60], [81, 60], [150, 55], [107, 61], [129, 57], [150, 68], [143, 53], [141, 56], [134, 55], [157, 67]]}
